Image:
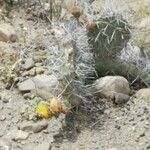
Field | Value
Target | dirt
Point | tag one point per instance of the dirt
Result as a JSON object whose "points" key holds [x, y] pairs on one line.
{"points": [[119, 128], [108, 127]]}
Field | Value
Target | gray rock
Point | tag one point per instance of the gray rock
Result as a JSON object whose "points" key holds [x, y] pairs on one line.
{"points": [[120, 98], [28, 96], [109, 85], [26, 85], [25, 74], [28, 63], [17, 135], [5, 144], [54, 126], [144, 24], [32, 72], [5, 100], [43, 146], [46, 85], [47, 82], [2, 133], [34, 127], [2, 118], [7, 33], [143, 94], [39, 70]]}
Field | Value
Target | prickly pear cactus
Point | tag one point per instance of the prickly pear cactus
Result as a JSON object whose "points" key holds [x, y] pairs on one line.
{"points": [[107, 40]]}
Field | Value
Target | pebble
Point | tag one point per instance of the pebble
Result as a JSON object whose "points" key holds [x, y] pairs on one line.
{"points": [[34, 127], [28, 63], [2, 118], [5, 100], [17, 135], [28, 96], [26, 85], [43, 146], [2, 132], [32, 72], [120, 98], [39, 70], [5, 144]]}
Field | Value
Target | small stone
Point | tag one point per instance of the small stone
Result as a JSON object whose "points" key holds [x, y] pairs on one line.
{"points": [[7, 33], [5, 100], [108, 85], [54, 127], [28, 96], [32, 72], [38, 64], [26, 85], [120, 98], [2, 133], [148, 147], [143, 134], [1, 107], [2, 118], [17, 135], [25, 73], [28, 63], [117, 127], [39, 70], [34, 127], [43, 146], [45, 85], [143, 94], [5, 144]]}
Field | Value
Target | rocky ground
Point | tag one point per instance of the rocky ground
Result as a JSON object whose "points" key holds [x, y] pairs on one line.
{"points": [[119, 120]]}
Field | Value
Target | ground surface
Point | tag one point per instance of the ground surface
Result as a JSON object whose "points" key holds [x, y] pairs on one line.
{"points": [[113, 128], [118, 128]]}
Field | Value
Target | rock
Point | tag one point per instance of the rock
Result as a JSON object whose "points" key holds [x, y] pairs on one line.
{"points": [[38, 64], [34, 127], [39, 70], [26, 85], [46, 85], [2, 133], [108, 85], [54, 126], [7, 33], [120, 98], [28, 63], [28, 96], [25, 74], [43, 146], [145, 23], [32, 72], [5, 100], [41, 84], [2, 118], [17, 135], [45, 81], [58, 32], [5, 144], [143, 94]]}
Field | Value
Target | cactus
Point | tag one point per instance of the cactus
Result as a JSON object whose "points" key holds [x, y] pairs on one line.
{"points": [[107, 41]]}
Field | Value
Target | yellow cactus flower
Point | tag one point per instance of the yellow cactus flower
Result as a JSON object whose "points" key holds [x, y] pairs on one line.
{"points": [[43, 110]]}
